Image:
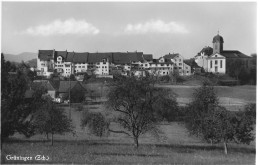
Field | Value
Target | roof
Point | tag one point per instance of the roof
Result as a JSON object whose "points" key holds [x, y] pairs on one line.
{"points": [[148, 57], [233, 54], [170, 56], [115, 57], [98, 57], [43, 83], [218, 38], [63, 54], [207, 50], [80, 57], [70, 57], [66, 85], [46, 55]]}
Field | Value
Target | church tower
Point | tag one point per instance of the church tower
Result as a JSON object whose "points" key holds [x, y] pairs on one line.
{"points": [[217, 44]]}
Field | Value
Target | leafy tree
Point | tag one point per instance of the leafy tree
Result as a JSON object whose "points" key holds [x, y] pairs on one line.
{"points": [[16, 109], [235, 67], [204, 99], [51, 119], [206, 119], [96, 122], [225, 126], [134, 102]]}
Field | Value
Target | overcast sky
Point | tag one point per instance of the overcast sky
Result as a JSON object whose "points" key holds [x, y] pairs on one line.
{"points": [[151, 27]]}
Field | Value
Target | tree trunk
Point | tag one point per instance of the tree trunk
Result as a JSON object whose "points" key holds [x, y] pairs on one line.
{"points": [[52, 139], [136, 142], [225, 148]]}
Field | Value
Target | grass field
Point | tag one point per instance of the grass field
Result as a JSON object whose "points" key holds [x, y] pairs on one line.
{"points": [[173, 146]]}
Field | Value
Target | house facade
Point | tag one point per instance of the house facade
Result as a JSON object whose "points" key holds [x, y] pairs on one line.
{"points": [[45, 62], [179, 65]]}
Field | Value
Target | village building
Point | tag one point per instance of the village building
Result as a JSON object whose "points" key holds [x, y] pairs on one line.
{"points": [[105, 64]]}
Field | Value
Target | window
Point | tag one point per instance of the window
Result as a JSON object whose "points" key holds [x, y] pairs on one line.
{"points": [[42, 69], [145, 64], [104, 61], [180, 64], [83, 66], [216, 55], [210, 64], [180, 60], [161, 64], [220, 63], [216, 62]]}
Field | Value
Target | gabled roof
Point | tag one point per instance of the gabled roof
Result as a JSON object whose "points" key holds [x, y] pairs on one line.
{"points": [[70, 57], [218, 55], [80, 57], [127, 58], [63, 54], [171, 56], [148, 57], [66, 85], [233, 54], [207, 51], [98, 57], [46, 55], [43, 83]]}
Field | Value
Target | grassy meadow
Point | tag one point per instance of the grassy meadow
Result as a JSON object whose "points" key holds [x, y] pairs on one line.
{"points": [[173, 145]]}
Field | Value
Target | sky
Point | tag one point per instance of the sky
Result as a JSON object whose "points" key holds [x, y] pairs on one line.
{"points": [[156, 28]]}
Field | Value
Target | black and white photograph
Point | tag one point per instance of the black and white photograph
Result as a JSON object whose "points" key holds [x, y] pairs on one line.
{"points": [[129, 82]]}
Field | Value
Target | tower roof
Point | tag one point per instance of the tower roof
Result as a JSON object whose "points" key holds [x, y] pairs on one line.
{"points": [[218, 38]]}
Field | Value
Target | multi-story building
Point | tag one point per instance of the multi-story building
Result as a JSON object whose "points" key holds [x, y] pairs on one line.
{"points": [[66, 63], [161, 66], [45, 62], [179, 65]]}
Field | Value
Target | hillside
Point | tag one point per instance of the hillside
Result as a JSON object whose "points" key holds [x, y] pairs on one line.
{"points": [[25, 56]]}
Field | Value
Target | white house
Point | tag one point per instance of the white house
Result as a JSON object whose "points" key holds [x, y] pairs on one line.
{"points": [[217, 63], [45, 62]]}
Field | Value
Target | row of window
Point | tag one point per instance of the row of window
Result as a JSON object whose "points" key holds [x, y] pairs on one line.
{"points": [[102, 67], [159, 64], [216, 63]]}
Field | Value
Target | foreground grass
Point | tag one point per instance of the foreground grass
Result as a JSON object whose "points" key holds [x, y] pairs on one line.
{"points": [[176, 147], [105, 152]]}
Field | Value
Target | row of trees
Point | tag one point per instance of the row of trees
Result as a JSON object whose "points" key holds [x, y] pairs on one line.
{"points": [[139, 106]]}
